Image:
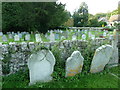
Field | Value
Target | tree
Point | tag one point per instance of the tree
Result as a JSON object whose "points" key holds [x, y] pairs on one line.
{"points": [[81, 16], [31, 16]]}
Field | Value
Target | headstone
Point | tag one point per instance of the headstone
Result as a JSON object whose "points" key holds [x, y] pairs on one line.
{"points": [[1, 33], [10, 36], [104, 34], [52, 36], [20, 35], [62, 37], [41, 66], [74, 64], [83, 36], [74, 37], [110, 37], [27, 37], [38, 38], [115, 55], [93, 37], [4, 38], [56, 36], [101, 58], [16, 38]]}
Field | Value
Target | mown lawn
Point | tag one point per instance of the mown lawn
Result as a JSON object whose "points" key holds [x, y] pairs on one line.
{"points": [[99, 80]]}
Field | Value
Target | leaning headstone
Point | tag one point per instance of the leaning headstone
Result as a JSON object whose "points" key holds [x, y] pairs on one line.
{"points": [[38, 38], [27, 37], [4, 38], [74, 64], [41, 66], [101, 58], [16, 38]]}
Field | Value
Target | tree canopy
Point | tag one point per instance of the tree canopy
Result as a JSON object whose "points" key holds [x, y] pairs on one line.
{"points": [[81, 15], [32, 16]]}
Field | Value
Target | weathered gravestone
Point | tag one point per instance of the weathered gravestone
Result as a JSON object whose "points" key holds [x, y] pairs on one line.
{"points": [[1, 33], [56, 36], [38, 38], [83, 37], [52, 36], [4, 38], [74, 64], [74, 37], [114, 59], [101, 58], [27, 37], [16, 38], [41, 66], [10, 36]]}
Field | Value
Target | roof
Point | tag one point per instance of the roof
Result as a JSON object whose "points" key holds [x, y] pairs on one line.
{"points": [[114, 18]]}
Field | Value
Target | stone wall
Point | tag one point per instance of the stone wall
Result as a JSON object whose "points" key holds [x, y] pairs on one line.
{"points": [[14, 56]]}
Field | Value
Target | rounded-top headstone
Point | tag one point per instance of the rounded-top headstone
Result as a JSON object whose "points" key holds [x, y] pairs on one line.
{"points": [[41, 66]]}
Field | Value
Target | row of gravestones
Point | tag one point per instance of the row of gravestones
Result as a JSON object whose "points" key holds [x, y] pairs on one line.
{"points": [[52, 37], [41, 64]]}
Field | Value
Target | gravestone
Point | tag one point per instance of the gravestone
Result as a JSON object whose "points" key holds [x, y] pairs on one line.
{"points": [[101, 58], [74, 37], [62, 37], [83, 36], [27, 37], [20, 35], [56, 36], [93, 37], [41, 66], [16, 38], [104, 34], [110, 37], [52, 36], [115, 56], [38, 38], [10, 36], [1, 33], [4, 38], [74, 64]]}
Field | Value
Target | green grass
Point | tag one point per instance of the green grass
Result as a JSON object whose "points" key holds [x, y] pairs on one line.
{"points": [[98, 80], [44, 39]]}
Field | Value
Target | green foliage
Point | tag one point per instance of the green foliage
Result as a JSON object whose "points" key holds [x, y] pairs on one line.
{"points": [[99, 15], [98, 80], [81, 16], [93, 22], [31, 16]]}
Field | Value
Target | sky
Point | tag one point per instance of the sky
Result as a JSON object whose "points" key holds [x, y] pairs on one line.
{"points": [[94, 6]]}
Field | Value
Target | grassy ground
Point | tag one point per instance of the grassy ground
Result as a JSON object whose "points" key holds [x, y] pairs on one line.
{"points": [[99, 80], [46, 40]]}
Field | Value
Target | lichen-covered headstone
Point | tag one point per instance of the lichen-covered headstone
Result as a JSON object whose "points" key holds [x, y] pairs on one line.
{"points": [[101, 58], [74, 64], [41, 66]]}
